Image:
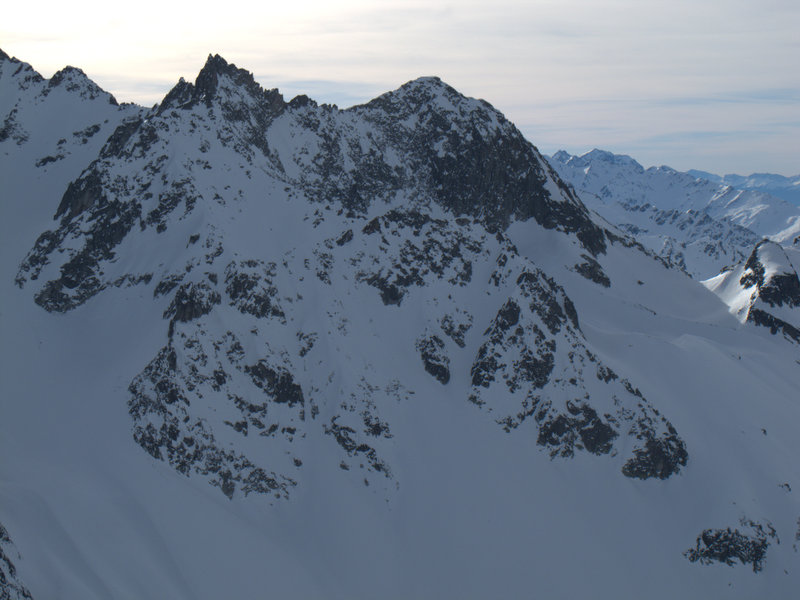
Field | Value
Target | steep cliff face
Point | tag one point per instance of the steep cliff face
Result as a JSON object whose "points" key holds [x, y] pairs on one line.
{"points": [[391, 329]]}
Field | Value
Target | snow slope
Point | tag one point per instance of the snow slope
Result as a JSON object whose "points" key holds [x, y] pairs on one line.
{"points": [[276, 348]]}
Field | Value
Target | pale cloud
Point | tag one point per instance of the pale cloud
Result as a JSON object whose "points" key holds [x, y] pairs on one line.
{"points": [[621, 74]]}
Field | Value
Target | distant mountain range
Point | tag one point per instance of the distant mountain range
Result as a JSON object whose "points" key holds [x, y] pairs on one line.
{"points": [[697, 224], [786, 188], [703, 227]]}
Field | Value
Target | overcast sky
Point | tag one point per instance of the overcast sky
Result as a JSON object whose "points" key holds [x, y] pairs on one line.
{"points": [[705, 84]]}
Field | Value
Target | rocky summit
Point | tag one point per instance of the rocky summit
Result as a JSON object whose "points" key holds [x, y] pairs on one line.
{"points": [[256, 346], [764, 289]]}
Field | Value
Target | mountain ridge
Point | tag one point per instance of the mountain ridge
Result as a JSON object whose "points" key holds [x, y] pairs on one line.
{"points": [[764, 289], [780, 186]]}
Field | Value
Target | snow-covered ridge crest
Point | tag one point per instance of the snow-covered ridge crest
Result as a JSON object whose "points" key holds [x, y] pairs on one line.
{"points": [[764, 289], [24, 76], [70, 78], [221, 81], [75, 80], [459, 154], [424, 125], [50, 131]]}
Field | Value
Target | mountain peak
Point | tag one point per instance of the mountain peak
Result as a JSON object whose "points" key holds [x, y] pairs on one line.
{"points": [[75, 80], [596, 155], [770, 259], [217, 75], [771, 290], [609, 157], [22, 72], [419, 95], [426, 82], [562, 156], [217, 65], [69, 73], [207, 81]]}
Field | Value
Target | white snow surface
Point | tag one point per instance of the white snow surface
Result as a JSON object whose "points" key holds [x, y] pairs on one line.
{"points": [[467, 509]]}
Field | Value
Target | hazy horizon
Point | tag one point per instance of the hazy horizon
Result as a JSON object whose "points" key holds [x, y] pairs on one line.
{"points": [[703, 85]]}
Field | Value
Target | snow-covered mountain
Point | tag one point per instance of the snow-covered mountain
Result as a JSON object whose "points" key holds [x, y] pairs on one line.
{"points": [[764, 289], [697, 224], [253, 346], [780, 186]]}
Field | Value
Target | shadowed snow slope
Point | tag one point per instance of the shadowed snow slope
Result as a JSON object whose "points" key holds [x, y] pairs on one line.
{"points": [[254, 347]]}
